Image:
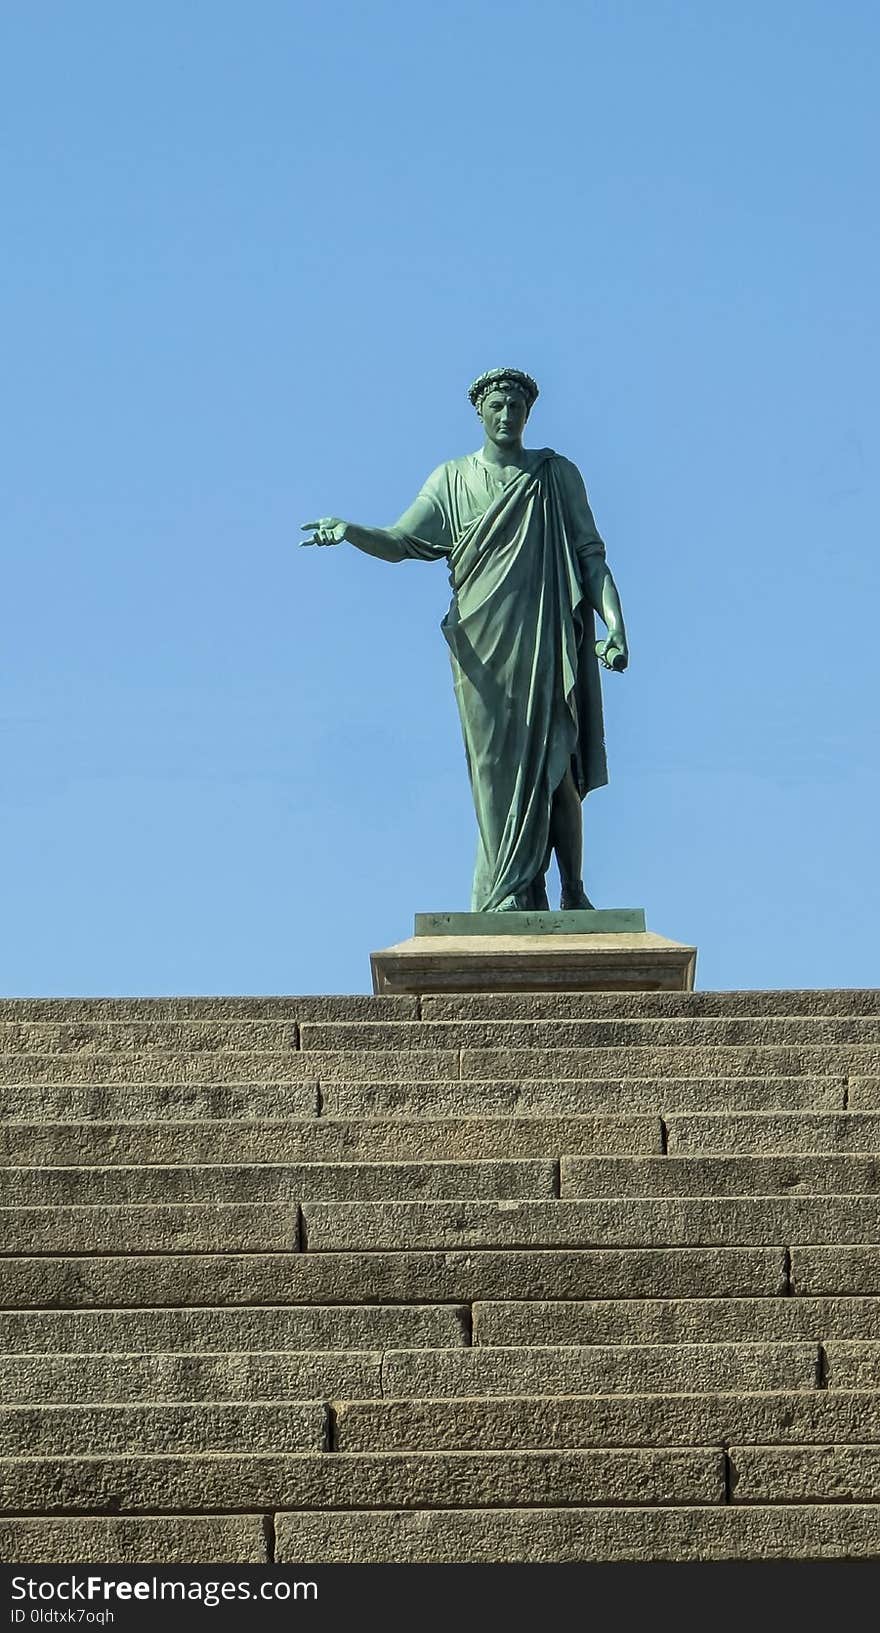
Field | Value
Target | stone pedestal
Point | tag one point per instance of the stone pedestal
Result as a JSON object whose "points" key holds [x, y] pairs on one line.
{"points": [[607, 950]]}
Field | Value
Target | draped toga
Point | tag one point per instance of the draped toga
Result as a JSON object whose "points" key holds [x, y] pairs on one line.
{"points": [[521, 641]]}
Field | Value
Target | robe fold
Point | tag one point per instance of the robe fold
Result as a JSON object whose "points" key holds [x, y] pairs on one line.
{"points": [[521, 641]]}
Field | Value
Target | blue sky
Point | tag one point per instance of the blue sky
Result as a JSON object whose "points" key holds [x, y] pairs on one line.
{"points": [[253, 257]]}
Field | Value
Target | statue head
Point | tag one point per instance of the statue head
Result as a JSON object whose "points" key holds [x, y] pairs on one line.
{"points": [[503, 398]]}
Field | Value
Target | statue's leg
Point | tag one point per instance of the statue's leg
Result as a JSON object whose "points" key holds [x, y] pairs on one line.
{"points": [[567, 839]]}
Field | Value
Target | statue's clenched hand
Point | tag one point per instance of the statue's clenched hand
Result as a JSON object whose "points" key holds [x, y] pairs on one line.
{"points": [[613, 653], [326, 530]]}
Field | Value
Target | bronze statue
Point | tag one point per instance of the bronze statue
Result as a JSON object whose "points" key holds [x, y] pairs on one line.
{"points": [[528, 571]]}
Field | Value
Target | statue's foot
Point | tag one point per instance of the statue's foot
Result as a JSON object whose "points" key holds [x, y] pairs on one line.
{"points": [[575, 898], [538, 894]]}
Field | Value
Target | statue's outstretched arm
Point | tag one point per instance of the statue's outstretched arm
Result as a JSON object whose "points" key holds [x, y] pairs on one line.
{"points": [[601, 592], [375, 541]]}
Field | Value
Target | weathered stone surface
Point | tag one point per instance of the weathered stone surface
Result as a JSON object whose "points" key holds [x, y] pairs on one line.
{"points": [[718, 1176], [286, 1375], [578, 1096], [298, 1327], [323, 1139], [539, 1536], [805, 1474], [763, 1133], [238, 1227], [47, 1038], [461, 1479], [854, 1365], [502, 962], [599, 1369], [215, 1539], [655, 1034], [677, 1321], [151, 1102], [667, 1222], [273, 1182], [506, 1423], [572, 1006], [343, 1278], [348, 1007], [224, 1066], [864, 1092], [77, 1431], [743, 1060], [840, 1269]]}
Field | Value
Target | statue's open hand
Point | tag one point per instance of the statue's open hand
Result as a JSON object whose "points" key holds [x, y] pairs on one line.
{"points": [[612, 653], [326, 530]]}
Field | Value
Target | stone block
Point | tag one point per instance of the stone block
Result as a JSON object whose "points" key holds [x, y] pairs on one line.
{"points": [[31, 1380], [721, 1063], [723, 1176], [599, 1369], [804, 1474], [187, 1539], [296, 1327], [47, 1039], [657, 1034], [853, 1365], [464, 1479], [151, 1102], [525, 962], [656, 1222], [388, 1277], [76, 1431], [237, 1227], [577, 1096], [499, 1423], [554, 1535], [573, 1006], [676, 1321], [842, 1268], [764, 1133], [323, 1139], [215, 1183]]}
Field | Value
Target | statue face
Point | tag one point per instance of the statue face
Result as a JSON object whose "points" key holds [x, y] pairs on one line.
{"points": [[504, 413]]}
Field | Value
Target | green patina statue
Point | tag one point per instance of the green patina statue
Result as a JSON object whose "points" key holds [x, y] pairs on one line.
{"points": [[528, 571]]}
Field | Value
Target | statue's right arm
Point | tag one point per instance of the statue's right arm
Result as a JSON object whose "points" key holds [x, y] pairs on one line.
{"points": [[375, 541]]}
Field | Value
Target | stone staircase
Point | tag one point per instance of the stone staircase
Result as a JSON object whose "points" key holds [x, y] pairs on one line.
{"points": [[532, 1278]]}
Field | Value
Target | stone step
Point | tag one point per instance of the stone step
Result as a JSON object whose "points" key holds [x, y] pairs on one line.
{"points": [[188, 1539], [405, 1277], [573, 1006], [151, 1102], [852, 1365], [89, 1037], [587, 1035], [151, 1228], [843, 1268], [464, 1006], [647, 1222], [468, 1064], [550, 1096], [293, 1327], [764, 1132], [348, 1007], [326, 1139], [546, 1422], [490, 1423], [357, 1480], [277, 1182], [578, 1535], [599, 1369], [248, 1376], [675, 1321], [715, 1176], [205, 1426], [804, 1474]]}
